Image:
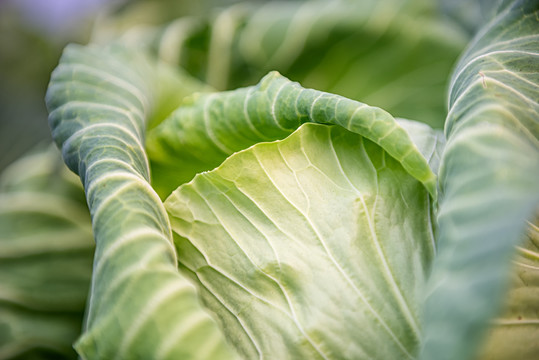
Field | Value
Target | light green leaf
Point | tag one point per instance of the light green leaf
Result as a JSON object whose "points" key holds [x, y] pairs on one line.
{"points": [[316, 246], [204, 132], [488, 180], [140, 306], [430, 142], [46, 251]]}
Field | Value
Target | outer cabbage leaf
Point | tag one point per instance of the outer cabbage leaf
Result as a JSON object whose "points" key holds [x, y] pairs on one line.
{"points": [[140, 306], [46, 252], [205, 131], [488, 180], [313, 247]]}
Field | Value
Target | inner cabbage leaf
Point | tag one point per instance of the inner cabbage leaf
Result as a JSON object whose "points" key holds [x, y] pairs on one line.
{"points": [[313, 247]]}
